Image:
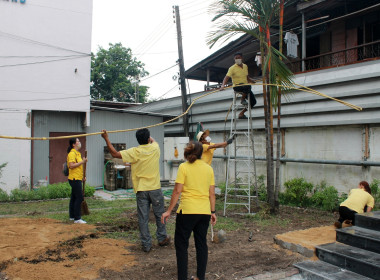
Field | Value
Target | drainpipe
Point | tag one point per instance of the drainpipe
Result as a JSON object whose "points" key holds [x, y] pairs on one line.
{"points": [[303, 41], [208, 78], [317, 161]]}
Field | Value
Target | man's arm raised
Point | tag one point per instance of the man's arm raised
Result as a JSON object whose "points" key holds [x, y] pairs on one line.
{"points": [[110, 147]]}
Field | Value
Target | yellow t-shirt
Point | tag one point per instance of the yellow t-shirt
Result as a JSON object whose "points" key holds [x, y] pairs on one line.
{"points": [[77, 172], [145, 166], [207, 155], [238, 74], [196, 177], [358, 199]]}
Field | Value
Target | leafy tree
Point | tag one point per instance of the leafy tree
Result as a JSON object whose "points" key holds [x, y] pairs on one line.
{"points": [[115, 75], [256, 18]]}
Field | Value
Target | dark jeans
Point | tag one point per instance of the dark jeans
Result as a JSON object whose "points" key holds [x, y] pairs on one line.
{"points": [[185, 224], [246, 90], [75, 199], [144, 200], [346, 214]]}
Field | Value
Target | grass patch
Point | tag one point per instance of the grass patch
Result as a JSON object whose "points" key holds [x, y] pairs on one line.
{"points": [[23, 208]]}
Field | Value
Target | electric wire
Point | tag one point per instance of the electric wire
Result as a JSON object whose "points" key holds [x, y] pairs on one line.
{"points": [[151, 76], [193, 16], [34, 56], [27, 40], [41, 62], [42, 99], [59, 9], [301, 88], [155, 39], [158, 98], [157, 33]]}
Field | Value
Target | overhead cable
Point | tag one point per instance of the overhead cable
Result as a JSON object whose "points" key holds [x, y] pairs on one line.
{"points": [[27, 40], [45, 61], [158, 73]]}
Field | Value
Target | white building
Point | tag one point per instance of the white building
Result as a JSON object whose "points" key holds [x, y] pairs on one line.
{"points": [[44, 66]]}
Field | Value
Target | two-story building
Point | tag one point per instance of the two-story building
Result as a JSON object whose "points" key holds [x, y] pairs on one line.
{"points": [[45, 66], [338, 54]]}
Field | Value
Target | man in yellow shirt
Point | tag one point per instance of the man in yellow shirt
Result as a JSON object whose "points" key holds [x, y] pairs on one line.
{"points": [[209, 147], [145, 167], [239, 74]]}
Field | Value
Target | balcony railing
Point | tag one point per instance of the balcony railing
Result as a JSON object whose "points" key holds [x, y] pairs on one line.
{"points": [[337, 58]]}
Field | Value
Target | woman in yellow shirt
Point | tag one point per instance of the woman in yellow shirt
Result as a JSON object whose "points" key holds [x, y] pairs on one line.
{"points": [[75, 164], [209, 147], [357, 200], [195, 183]]}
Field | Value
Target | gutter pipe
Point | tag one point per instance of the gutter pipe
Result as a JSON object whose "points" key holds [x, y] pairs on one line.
{"points": [[317, 161]]}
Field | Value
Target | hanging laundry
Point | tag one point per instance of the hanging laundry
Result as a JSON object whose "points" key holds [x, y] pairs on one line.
{"points": [[291, 40]]}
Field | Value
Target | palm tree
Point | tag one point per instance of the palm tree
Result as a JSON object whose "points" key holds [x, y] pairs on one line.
{"points": [[256, 17]]}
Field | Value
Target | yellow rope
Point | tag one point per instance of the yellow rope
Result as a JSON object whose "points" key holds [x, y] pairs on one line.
{"points": [[302, 88]]}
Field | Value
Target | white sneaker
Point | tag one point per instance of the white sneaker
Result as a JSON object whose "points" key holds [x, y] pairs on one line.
{"points": [[71, 219], [80, 222]]}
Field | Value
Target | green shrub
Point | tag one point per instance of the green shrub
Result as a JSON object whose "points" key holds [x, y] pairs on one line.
{"points": [[222, 188], [342, 197], [59, 190], [375, 187], [297, 192], [3, 195], [53, 191], [261, 188], [19, 195], [89, 191], [325, 197], [376, 192]]}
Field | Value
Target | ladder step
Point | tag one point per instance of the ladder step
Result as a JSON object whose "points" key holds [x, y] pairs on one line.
{"points": [[239, 196], [239, 132], [237, 189], [237, 203], [241, 159], [240, 183]]}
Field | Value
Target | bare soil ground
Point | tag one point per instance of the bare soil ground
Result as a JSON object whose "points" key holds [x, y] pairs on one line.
{"points": [[49, 249]]}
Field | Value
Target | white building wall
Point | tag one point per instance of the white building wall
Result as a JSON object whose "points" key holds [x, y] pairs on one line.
{"points": [[16, 153], [44, 65], [42, 43]]}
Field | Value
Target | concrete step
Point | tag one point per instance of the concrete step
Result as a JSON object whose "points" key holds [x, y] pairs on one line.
{"points": [[359, 237], [324, 271], [370, 220], [357, 260]]}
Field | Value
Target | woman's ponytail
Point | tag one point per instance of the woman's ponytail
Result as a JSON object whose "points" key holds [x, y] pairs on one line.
{"points": [[193, 151], [72, 142]]}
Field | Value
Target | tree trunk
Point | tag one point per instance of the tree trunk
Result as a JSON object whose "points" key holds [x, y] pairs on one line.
{"points": [[278, 152]]}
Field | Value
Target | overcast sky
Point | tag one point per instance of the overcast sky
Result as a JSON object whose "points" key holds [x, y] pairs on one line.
{"points": [[147, 27]]}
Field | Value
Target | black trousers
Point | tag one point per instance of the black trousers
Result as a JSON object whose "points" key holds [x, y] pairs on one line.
{"points": [[346, 213], [75, 199], [246, 90], [185, 224]]}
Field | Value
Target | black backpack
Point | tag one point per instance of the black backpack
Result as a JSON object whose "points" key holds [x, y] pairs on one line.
{"points": [[65, 169]]}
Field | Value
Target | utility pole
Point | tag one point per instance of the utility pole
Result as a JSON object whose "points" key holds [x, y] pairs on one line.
{"points": [[182, 80]]}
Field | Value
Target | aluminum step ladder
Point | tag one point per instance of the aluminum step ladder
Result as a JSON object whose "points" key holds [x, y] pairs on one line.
{"points": [[241, 179]]}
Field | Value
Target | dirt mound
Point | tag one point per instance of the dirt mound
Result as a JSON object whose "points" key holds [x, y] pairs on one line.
{"points": [[47, 249]]}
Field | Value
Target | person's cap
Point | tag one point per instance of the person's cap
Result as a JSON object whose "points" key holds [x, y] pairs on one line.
{"points": [[200, 133]]}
